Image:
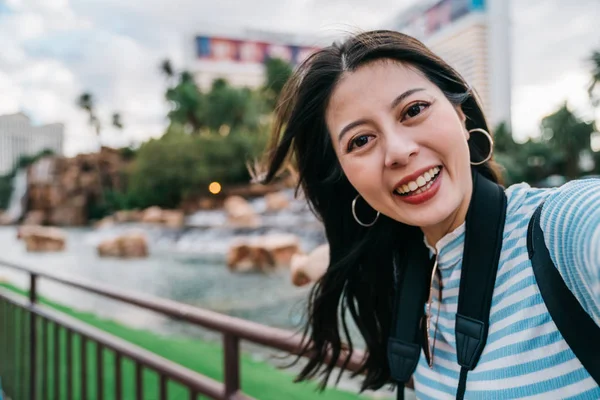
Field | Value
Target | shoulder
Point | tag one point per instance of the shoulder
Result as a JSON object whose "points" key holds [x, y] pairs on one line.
{"points": [[522, 201], [574, 204]]}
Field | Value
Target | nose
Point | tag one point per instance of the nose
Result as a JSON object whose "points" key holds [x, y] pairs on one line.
{"points": [[399, 148]]}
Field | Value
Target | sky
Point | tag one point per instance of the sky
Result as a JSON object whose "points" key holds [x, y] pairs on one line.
{"points": [[53, 50]]}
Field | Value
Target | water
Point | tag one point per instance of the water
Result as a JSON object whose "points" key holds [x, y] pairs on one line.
{"points": [[17, 197], [186, 265]]}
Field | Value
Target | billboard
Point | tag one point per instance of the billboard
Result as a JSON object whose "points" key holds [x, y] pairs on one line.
{"points": [[248, 51], [427, 22]]}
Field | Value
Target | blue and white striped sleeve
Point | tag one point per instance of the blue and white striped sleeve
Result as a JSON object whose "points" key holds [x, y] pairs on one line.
{"points": [[570, 221]]}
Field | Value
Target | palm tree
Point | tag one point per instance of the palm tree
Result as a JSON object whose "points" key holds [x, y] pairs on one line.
{"points": [[117, 121], [569, 136], [86, 102], [186, 102], [167, 69], [595, 59]]}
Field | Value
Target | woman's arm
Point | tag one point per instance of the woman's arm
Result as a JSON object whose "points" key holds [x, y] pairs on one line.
{"points": [[570, 221]]}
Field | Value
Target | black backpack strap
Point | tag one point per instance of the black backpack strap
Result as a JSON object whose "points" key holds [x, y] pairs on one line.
{"points": [[578, 329], [404, 343], [483, 243]]}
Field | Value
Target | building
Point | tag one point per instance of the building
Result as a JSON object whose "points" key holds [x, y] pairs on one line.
{"points": [[239, 58], [473, 36], [18, 138]]}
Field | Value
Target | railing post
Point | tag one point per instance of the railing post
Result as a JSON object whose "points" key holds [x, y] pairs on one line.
{"points": [[231, 345], [32, 337]]}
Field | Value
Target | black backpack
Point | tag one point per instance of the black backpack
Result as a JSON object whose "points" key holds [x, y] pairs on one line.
{"points": [[483, 243]]}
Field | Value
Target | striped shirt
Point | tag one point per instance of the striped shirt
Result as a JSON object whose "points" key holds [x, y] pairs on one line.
{"points": [[525, 355]]}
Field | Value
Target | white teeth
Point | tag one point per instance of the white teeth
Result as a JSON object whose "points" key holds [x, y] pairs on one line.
{"points": [[422, 183]]}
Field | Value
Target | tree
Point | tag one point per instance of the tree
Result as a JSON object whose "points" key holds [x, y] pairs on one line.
{"points": [[187, 103], [231, 107], [117, 121], [167, 68], [277, 73], [568, 136], [595, 60], [168, 169], [86, 102], [503, 139]]}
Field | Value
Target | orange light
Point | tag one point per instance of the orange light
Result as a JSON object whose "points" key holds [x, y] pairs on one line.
{"points": [[214, 187]]}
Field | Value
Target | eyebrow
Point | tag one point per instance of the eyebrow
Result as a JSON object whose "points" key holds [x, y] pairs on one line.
{"points": [[362, 121]]}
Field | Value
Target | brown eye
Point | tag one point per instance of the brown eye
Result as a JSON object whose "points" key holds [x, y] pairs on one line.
{"points": [[415, 110], [358, 141]]}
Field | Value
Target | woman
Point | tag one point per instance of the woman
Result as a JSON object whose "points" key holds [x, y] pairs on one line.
{"points": [[388, 141]]}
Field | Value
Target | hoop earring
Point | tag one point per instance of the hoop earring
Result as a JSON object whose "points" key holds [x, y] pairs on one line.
{"points": [[356, 217], [489, 137]]}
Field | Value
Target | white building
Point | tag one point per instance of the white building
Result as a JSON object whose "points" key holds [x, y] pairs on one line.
{"points": [[18, 138], [473, 36]]}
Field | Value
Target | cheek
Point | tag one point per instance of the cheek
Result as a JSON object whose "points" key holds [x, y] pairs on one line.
{"points": [[365, 177]]}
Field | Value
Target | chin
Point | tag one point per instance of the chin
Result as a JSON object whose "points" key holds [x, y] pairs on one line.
{"points": [[428, 217]]}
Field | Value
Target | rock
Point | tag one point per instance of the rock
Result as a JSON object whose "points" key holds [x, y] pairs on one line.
{"points": [[24, 229], [65, 188], [128, 216], [130, 245], [170, 218], [37, 217], [105, 222], [152, 215], [173, 218], [4, 219], [262, 253], [73, 214], [207, 204], [307, 268], [240, 213], [109, 248], [88, 181], [42, 239], [276, 202]]}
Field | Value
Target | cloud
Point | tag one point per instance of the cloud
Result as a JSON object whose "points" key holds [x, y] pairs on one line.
{"points": [[53, 50], [56, 54], [533, 102]]}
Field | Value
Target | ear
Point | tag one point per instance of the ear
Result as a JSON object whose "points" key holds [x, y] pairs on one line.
{"points": [[463, 119]]}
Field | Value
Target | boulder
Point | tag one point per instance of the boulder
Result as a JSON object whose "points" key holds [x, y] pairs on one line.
{"points": [[128, 216], [5, 219], [73, 214], [129, 245], [105, 222], [152, 215], [65, 188], [240, 213], [42, 239], [173, 218], [307, 268], [156, 215], [263, 253], [37, 217], [276, 202]]}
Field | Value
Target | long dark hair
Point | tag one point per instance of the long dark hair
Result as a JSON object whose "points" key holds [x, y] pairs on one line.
{"points": [[360, 277]]}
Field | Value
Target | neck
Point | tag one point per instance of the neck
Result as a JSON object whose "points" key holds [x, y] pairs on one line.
{"points": [[434, 233]]}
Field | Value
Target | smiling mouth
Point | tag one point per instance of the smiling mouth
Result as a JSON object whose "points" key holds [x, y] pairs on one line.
{"points": [[421, 184]]}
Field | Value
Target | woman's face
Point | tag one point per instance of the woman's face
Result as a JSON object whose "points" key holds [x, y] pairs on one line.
{"points": [[402, 145]]}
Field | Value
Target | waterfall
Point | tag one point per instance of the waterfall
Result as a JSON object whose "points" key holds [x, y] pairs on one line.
{"points": [[16, 205]]}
